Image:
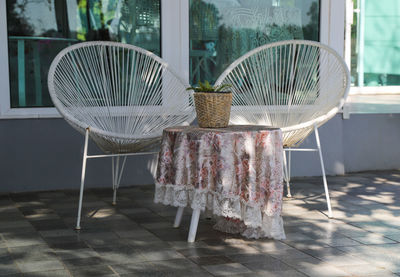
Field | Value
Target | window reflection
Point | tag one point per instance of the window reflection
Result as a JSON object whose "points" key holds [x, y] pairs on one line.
{"points": [[223, 30], [39, 29], [375, 43]]}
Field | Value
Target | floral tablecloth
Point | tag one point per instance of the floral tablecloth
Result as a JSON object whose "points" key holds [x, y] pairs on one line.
{"points": [[235, 172]]}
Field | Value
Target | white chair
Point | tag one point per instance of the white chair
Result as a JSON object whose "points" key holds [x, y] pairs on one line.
{"points": [[295, 85], [119, 95]]}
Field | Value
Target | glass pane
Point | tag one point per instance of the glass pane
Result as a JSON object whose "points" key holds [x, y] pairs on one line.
{"points": [[222, 31], [375, 43], [38, 30]]}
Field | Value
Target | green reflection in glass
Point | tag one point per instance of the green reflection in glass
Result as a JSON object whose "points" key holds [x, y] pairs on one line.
{"points": [[39, 29], [375, 43], [222, 31]]}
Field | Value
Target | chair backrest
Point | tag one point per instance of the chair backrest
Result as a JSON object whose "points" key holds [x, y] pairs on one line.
{"points": [[292, 85], [118, 90]]}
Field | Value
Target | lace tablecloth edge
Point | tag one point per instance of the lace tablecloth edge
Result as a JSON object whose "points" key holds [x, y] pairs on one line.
{"points": [[258, 223]]}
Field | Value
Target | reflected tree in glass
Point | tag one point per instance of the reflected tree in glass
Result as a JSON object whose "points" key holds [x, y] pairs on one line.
{"points": [[39, 29], [222, 31]]}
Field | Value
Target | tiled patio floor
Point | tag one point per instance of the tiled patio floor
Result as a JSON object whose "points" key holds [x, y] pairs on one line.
{"points": [[136, 237]]}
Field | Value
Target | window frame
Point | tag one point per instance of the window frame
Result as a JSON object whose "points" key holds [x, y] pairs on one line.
{"points": [[357, 90], [5, 102], [174, 47]]}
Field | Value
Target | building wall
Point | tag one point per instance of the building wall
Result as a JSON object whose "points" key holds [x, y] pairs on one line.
{"points": [[46, 154], [372, 142], [41, 154]]}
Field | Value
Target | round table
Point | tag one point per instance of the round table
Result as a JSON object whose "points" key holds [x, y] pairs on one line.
{"points": [[234, 172]]}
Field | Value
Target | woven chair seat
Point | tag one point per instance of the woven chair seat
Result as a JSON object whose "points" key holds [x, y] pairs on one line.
{"points": [[124, 94], [294, 85]]}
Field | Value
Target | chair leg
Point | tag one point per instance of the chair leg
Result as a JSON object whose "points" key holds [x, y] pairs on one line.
{"points": [[287, 169], [193, 225], [113, 180], [178, 217], [78, 220], [117, 171], [328, 200]]}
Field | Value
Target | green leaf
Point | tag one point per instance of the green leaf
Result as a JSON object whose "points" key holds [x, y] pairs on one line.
{"points": [[221, 87], [207, 87]]}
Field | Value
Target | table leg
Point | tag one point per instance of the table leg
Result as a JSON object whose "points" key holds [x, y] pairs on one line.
{"points": [[193, 225], [178, 217]]}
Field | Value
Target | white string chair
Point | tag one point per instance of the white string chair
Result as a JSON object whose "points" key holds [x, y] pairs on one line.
{"points": [[119, 95], [295, 85]]}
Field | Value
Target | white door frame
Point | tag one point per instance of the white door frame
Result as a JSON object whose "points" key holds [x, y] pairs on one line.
{"points": [[332, 24]]}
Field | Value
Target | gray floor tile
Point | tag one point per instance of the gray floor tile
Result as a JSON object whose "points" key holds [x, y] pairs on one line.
{"points": [[289, 254], [285, 273], [77, 262], [226, 269], [117, 257], [136, 238], [270, 246], [297, 237], [338, 242], [50, 273], [344, 260], [59, 246], [271, 265], [88, 236], [303, 262], [180, 266], [8, 266], [307, 244], [4, 251], [136, 269], [181, 245], [321, 252], [57, 233], [95, 271], [246, 258], [160, 255], [395, 237], [211, 260], [138, 233], [39, 265], [366, 270], [199, 252], [23, 239], [76, 254], [157, 225], [373, 239], [322, 270]]}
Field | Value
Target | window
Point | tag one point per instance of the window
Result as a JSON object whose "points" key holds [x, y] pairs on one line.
{"points": [[38, 30], [372, 54], [222, 31], [192, 48], [375, 44]]}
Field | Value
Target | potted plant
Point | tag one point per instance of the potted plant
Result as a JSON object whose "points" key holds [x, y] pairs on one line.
{"points": [[213, 104]]}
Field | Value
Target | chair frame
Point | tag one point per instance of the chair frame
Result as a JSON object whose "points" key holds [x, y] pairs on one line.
{"points": [[117, 170], [314, 124], [116, 163]]}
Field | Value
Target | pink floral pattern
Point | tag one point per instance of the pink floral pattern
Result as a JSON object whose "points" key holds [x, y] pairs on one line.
{"points": [[235, 172]]}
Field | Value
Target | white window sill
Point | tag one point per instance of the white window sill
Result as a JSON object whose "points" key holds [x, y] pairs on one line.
{"points": [[355, 104], [26, 113], [372, 104]]}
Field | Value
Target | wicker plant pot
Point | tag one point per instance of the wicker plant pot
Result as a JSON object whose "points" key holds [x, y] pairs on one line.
{"points": [[213, 109]]}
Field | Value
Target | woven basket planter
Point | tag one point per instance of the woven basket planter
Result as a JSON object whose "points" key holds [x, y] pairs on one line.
{"points": [[213, 109]]}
